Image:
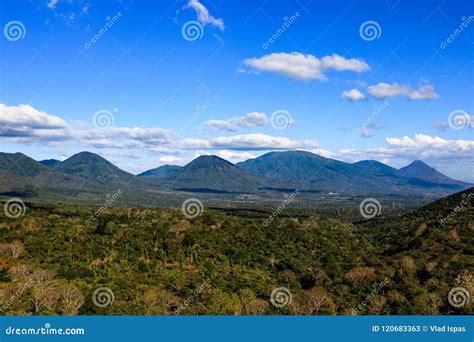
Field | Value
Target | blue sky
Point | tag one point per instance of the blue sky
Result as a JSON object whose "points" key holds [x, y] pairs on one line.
{"points": [[349, 80]]}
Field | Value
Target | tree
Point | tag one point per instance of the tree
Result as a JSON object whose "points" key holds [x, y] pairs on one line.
{"points": [[360, 276], [71, 299], [317, 300], [45, 296], [159, 301]]}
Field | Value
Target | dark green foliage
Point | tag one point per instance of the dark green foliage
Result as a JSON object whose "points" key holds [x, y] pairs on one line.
{"points": [[227, 263]]}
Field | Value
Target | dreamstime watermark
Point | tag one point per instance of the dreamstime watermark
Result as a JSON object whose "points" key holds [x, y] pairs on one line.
{"points": [[289, 198], [110, 199], [377, 110], [370, 207], [104, 118], [376, 289], [103, 297], [196, 115], [46, 330], [110, 21], [459, 119], [458, 297], [288, 21], [18, 293], [281, 119], [14, 208], [370, 30], [192, 208], [465, 21], [461, 205], [192, 30], [280, 297], [192, 297], [14, 30]]}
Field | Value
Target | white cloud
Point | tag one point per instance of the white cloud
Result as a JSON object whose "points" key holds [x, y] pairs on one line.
{"points": [[421, 146], [425, 92], [234, 156], [23, 123], [386, 90], [423, 141], [353, 95], [170, 159], [203, 15], [31, 126], [52, 4], [339, 63], [249, 120], [305, 67], [25, 117], [322, 152], [247, 142]]}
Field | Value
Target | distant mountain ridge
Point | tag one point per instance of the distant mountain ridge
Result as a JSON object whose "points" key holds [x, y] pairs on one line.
{"points": [[50, 162], [420, 170], [161, 172], [92, 166], [87, 177], [331, 174], [214, 174]]}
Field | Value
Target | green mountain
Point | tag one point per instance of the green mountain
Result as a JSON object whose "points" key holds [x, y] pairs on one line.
{"points": [[377, 167], [328, 174], [161, 172], [21, 165], [299, 166], [422, 171], [87, 177], [212, 174], [24, 176], [93, 167], [429, 249], [50, 162]]}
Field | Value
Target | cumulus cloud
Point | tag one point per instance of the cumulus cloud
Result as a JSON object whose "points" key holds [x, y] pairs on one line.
{"points": [[247, 142], [339, 63], [25, 117], [203, 15], [386, 90], [249, 120], [421, 146], [353, 95], [235, 156], [423, 141], [31, 126], [305, 67], [25, 124], [322, 152]]}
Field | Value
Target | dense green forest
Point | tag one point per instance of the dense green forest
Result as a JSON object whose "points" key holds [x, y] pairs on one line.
{"points": [[57, 260]]}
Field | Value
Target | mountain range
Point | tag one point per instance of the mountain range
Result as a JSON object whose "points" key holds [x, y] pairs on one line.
{"points": [[85, 175]]}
